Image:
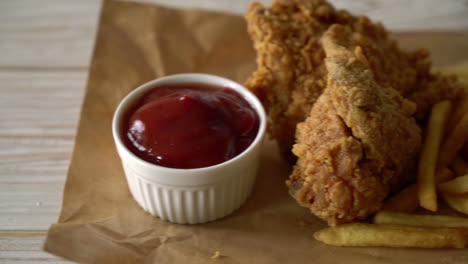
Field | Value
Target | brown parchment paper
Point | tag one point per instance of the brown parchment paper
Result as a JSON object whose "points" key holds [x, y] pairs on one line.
{"points": [[101, 223]]}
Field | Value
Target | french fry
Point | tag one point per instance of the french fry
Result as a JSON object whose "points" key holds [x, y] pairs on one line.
{"points": [[460, 70], [458, 185], [460, 110], [365, 235], [392, 218], [406, 201], [457, 202], [454, 142], [459, 166], [427, 163]]}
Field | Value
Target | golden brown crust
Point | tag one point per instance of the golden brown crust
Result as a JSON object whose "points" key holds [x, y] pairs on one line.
{"points": [[291, 72], [358, 141]]}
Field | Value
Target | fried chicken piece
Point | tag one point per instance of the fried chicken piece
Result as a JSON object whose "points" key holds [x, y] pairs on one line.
{"points": [[360, 140], [291, 73]]}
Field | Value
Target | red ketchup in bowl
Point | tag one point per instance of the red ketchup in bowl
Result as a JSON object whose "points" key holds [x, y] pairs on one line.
{"points": [[189, 126]]}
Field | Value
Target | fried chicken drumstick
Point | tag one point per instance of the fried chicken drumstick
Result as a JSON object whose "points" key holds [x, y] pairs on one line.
{"points": [[359, 140]]}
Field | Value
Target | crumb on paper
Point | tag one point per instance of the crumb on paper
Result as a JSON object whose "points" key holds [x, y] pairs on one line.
{"points": [[216, 255]]}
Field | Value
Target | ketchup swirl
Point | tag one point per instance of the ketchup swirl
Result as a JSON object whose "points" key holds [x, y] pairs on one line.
{"points": [[189, 126]]}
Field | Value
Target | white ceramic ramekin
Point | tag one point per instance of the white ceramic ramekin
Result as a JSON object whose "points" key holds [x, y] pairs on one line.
{"points": [[190, 195]]}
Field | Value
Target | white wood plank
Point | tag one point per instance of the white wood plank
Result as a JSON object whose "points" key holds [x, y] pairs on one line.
{"points": [[29, 206], [412, 15], [38, 121], [40, 103], [47, 33], [233, 7], [34, 160], [25, 247]]}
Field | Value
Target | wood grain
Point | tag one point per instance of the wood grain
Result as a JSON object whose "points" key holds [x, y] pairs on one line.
{"points": [[29, 206], [47, 34], [25, 247], [46, 48], [37, 128], [414, 15]]}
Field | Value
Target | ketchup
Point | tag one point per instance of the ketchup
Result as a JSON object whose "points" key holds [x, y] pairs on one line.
{"points": [[189, 126]]}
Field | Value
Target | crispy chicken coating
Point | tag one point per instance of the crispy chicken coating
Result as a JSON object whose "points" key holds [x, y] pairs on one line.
{"points": [[291, 73], [359, 141]]}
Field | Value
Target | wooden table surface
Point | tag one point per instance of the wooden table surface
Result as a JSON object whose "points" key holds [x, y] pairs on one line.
{"points": [[45, 51]]}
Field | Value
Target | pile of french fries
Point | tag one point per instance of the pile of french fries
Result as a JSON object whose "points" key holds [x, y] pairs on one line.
{"points": [[442, 175]]}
